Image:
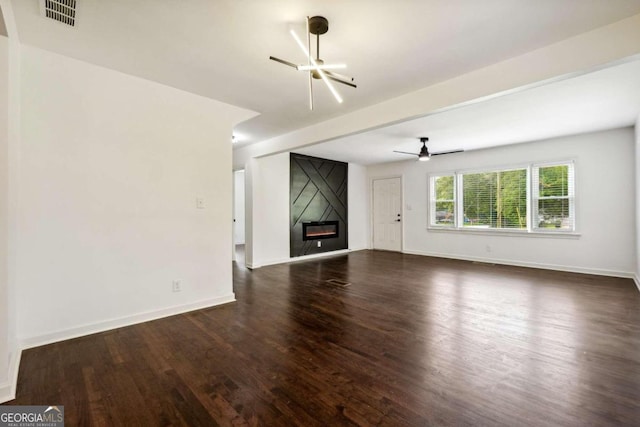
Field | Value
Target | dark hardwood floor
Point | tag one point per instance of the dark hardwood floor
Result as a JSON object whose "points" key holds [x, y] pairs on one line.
{"points": [[412, 341]]}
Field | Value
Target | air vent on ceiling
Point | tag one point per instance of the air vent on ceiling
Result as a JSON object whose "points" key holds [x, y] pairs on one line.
{"points": [[63, 11]]}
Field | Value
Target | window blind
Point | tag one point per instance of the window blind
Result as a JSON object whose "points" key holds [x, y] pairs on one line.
{"points": [[443, 200], [495, 199], [553, 198]]}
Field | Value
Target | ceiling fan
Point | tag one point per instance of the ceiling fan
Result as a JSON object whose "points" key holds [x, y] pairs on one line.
{"points": [[424, 153], [316, 67]]}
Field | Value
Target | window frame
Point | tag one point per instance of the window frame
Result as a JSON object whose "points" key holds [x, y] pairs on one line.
{"points": [[571, 197], [531, 201], [433, 202], [460, 212]]}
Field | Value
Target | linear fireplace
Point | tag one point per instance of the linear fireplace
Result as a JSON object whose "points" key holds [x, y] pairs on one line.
{"points": [[313, 230]]}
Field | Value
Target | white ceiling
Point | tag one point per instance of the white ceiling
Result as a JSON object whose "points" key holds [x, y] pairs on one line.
{"points": [[603, 99], [220, 48]]}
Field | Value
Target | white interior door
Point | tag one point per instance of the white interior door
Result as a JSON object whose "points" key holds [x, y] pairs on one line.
{"points": [[387, 214]]}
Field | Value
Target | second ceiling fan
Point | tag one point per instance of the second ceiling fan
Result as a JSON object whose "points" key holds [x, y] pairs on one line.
{"points": [[316, 67], [424, 153]]}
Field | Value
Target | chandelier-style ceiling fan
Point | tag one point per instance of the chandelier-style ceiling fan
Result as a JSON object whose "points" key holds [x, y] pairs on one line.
{"points": [[316, 67], [424, 153]]}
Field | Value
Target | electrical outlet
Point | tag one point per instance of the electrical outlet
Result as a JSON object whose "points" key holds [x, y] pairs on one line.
{"points": [[177, 286], [199, 203], [319, 243]]}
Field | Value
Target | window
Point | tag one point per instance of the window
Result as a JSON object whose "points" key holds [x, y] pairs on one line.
{"points": [[443, 202], [495, 199], [553, 197], [539, 198]]}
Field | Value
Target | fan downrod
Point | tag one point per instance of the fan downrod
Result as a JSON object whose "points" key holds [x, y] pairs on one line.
{"points": [[318, 25]]}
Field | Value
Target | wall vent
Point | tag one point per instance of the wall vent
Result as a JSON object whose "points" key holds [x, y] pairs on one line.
{"points": [[63, 11]]}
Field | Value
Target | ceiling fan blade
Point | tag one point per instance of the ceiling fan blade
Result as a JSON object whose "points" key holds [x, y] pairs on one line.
{"points": [[340, 81], [339, 76], [282, 61], [404, 152], [447, 152]]}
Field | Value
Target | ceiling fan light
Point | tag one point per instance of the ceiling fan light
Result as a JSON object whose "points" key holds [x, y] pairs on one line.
{"points": [[314, 64], [321, 67], [423, 157]]}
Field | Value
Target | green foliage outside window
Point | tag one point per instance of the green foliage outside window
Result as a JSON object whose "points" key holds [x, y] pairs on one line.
{"points": [[500, 199], [444, 194], [554, 209], [495, 199]]}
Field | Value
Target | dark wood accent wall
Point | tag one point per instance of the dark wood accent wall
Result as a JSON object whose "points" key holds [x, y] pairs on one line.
{"points": [[318, 192]]}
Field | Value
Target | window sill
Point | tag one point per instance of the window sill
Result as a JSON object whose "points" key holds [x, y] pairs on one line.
{"points": [[499, 232]]}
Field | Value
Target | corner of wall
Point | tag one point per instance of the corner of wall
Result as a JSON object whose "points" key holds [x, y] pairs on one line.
{"points": [[267, 210], [359, 208], [9, 387], [10, 352], [637, 182], [6, 393], [249, 195]]}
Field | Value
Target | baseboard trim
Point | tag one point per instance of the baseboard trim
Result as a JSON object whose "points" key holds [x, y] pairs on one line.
{"points": [[636, 279], [303, 258], [322, 255], [556, 267], [94, 328]]}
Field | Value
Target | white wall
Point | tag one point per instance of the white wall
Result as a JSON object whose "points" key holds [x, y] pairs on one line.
{"points": [[604, 164], [267, 215], [111, 166], [637, 187], [10, 100], [4, 216], [358, 202], [238, 207], [250, 182], [270, 215]]}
